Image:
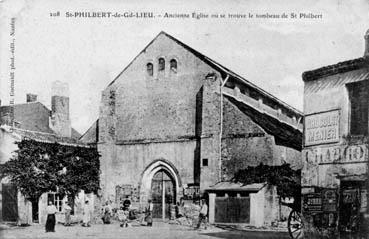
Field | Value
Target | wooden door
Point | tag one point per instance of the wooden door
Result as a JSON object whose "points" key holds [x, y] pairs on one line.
{"points": [[10, 202], [232, 209], [162, 194]]}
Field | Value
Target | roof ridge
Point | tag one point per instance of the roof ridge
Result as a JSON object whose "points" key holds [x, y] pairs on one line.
{"points": [[228, 71], [55, 138], [94, 122], [340, 67], [38, 132], [213, 64], [130, 63], [24, 103]]}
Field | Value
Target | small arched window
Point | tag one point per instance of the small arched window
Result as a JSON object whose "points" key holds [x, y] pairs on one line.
{"points": [[150, 69], [173, 65], [161, 64]]}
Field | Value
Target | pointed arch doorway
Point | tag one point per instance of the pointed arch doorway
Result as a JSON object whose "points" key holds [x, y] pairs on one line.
{"points": [[163, 193], [160, 183]]}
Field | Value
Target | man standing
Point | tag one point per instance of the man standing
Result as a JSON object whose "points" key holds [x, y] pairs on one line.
{"points": [[203, 215]]}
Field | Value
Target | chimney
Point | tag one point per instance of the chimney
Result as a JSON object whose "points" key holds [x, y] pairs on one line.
{"points": [[31, 98], [366, 37], [60, 120]]}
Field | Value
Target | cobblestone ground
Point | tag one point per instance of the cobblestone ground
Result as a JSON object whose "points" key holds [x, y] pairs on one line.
{"points": [[160, 230]]}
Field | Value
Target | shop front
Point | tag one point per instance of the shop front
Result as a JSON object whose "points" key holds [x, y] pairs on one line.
{"points": [[335, 151]]}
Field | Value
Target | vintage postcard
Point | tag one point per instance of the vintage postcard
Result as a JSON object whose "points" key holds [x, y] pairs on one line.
{"points": [[184, 119]]}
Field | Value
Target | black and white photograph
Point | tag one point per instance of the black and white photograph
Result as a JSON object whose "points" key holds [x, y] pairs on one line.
{"points": [[187, 119]]}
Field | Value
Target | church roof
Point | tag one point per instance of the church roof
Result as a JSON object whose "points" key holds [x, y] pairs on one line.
{"points": [[224, 71], [285, 133]]}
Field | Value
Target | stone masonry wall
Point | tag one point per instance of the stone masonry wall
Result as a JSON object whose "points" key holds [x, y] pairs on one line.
{"points": [[126, 163], [210, 133], [162, 106], [145, 118]]}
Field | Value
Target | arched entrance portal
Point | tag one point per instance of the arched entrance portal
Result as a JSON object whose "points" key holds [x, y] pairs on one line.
{"points": [[162, 194], [161, 183]]}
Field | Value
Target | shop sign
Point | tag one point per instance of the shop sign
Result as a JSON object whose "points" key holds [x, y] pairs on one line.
{"points": [[191, 192], [336, 154], [322, 128], [313, 203], [329, 200]]}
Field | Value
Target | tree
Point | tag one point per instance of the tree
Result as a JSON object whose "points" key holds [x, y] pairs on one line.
{"points": [[286, 180], [38, 167]]}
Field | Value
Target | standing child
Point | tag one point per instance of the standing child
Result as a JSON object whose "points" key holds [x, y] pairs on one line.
{"points": [[123, 217]]}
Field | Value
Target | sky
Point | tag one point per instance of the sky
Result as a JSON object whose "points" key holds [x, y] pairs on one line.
{"points": [[88, 53]]}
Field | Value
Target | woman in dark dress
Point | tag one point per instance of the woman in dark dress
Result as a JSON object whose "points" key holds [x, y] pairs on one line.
{"points": [[50, 221]]}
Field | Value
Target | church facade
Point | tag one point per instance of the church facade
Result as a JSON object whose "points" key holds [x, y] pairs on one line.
{"points": [[174, 122]]}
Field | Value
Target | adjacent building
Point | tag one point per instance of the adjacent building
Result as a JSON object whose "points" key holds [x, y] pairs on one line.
{"points": [[33, 120], [174, 123], [335, 153]]}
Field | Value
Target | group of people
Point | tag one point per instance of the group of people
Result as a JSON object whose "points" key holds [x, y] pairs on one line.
{"points": [[52, 210], [123, 214]]}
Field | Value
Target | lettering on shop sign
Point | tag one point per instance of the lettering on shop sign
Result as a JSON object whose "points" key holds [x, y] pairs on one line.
{"points": [[322, 128], [312, 202], [336, 154]]}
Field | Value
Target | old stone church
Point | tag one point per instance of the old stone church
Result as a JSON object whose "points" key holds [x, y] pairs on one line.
{"points": [[174, 123]]}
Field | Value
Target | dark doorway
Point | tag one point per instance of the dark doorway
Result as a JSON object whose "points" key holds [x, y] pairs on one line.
{"points": [[34, 211], [162, 194], [10, 202], [350, 203]]}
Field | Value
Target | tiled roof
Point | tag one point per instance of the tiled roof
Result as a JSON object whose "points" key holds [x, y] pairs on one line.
{"points": [[332, 81], [231, 186], [285, 134], [340, 67], [43, 137]]}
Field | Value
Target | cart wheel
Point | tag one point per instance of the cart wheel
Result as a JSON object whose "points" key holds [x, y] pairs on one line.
{"points": [[295, 225]]}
